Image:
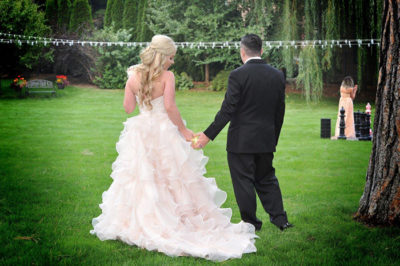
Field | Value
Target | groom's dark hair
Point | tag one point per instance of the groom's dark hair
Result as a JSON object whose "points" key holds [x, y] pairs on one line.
{"points": [[251, 44]]}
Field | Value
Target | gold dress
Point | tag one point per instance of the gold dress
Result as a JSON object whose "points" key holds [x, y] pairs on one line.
{"points": [[347, 103]]}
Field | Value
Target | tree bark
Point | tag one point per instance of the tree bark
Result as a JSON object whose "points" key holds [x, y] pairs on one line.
{"points": [[380, 203], [207, 73]]}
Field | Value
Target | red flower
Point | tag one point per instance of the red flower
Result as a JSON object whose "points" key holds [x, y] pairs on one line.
{"points": [[62, 79]]}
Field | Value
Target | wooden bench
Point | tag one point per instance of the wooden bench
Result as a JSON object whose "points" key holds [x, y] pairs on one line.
{"points": [[40, 86]]}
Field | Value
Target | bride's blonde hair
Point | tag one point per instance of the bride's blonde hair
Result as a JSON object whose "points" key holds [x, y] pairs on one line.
{"points": [[153, 58]]}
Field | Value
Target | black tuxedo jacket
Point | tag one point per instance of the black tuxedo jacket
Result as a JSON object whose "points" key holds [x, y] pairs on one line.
{"points": [[255, 105]]}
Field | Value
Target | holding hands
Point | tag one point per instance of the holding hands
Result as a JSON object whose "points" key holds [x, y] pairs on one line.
{"points": [[200, 140], [187, 134]]}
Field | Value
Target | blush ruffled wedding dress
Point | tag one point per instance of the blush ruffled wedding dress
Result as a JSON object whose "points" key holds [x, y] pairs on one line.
{"points": [[160, 200]]}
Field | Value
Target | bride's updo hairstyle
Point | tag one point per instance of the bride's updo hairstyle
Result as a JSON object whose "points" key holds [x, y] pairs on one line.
{"points": [[153, 58]]}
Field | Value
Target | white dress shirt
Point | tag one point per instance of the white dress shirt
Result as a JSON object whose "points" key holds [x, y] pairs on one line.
{"points": [[250, 58]]}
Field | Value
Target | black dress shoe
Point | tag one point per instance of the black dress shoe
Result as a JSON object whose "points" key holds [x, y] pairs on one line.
{"points": [[285, 226]]}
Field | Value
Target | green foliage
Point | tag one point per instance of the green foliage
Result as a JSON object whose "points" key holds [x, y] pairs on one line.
{"points": [[200, 21], [310, 74], [258, 16], [330, 34], [142, 32], [64, 14], [289, 32], [21, 17], [117, 11], [183, 82], [220, 82], [130, 14], [81, 17], [113, 61], [51, 13], [108, 16], [264, 18]]}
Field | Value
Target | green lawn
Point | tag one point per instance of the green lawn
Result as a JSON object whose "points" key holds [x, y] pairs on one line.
{"points": [[55, 161]]}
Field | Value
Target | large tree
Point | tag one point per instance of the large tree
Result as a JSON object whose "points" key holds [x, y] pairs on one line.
{"points": [[380, 203], [51, 13], [64, 13], [130, 14], [117, 11], [21, 17], [195, 21], [81, 17], [108, 16]]}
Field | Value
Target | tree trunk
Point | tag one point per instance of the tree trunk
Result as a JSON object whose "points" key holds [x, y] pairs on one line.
{"points": [[207, 73], [380, 203]]}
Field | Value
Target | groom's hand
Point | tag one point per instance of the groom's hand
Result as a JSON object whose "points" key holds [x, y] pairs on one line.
{"points": [[201, 142]]}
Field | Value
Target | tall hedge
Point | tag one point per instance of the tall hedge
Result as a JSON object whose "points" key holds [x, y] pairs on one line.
{"points": [[130, 14], [142, 32], [81, 16], [107, 16], [51, 13], [117, 11], [64, 14]]}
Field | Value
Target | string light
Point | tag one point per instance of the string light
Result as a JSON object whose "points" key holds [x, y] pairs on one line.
{"points": [[8, 38]]}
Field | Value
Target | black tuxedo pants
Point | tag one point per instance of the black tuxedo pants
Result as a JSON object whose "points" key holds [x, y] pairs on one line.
{"points": [[253, 173]]}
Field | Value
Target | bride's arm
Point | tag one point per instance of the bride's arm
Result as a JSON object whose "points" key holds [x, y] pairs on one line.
{"points": [[129, 98], [171, 108]]}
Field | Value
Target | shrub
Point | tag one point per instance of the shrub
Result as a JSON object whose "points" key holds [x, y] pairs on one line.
{"points": [[183, 81], [113, 61], [220, 82]]}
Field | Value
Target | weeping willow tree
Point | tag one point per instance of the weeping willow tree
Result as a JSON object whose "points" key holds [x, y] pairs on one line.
{"points": [[330, 20], [362, 11], [310, 71], [289, 32], [331, 33], [360, 19]]}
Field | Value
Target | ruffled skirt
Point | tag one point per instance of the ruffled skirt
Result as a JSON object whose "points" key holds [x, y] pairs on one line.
{"points": [[160, 200]]}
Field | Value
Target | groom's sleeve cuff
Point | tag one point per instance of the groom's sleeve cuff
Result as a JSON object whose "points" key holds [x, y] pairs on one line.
{"points": [[209, 133]]}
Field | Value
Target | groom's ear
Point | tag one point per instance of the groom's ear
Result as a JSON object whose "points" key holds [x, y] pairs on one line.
{"points": [[262, 51], [242, 53]]}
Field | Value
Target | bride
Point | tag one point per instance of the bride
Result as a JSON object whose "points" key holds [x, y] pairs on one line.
{"points": [[159, 198]]}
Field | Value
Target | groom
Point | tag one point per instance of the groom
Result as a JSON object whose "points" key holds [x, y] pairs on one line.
{"points": [[254, 105]]}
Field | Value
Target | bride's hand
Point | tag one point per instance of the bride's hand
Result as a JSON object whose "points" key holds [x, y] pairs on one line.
{"points": [[187, 134]]}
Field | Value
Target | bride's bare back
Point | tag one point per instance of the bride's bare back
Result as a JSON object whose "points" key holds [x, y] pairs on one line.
{"points": [[164, 85], [158, 85]]}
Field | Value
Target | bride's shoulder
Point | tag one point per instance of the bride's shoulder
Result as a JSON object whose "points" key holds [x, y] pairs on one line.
{"points": [[167, 75], [131, 70]]}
